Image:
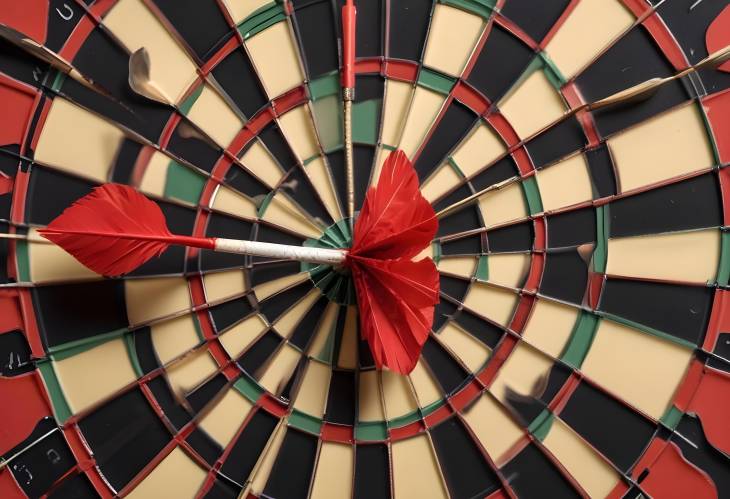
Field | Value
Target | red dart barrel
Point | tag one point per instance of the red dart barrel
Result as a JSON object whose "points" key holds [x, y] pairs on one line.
{"points": [[349, 12]]}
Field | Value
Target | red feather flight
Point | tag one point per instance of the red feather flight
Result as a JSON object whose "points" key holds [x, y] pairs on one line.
{"points": [[396, 295], [115, 229]]}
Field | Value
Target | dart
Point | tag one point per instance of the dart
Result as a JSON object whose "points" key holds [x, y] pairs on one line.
{"points": [[115, 229], [43, 53], [349, 16], [646, 89]]}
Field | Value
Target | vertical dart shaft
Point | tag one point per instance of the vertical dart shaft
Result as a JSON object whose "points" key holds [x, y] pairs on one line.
{"points": [[349, 161], [349, 13]]}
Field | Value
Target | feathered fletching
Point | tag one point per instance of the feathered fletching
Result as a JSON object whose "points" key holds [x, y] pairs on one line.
{"points": [[396, 221], [397, 300], [112, 231], [396, 296]]}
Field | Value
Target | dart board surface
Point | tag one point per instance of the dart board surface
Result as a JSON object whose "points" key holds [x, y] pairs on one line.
{"points": [[581, 345]]}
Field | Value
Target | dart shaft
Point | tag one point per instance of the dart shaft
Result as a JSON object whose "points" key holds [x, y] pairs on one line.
{"points": [[349, 161], [239, 246], [349, 14], [281, 251]]}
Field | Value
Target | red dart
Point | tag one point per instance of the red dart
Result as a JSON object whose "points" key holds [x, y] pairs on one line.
{"points": [[396, 296], [115, 229]]}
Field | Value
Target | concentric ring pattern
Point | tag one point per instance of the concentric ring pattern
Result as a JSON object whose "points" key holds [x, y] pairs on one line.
{"points": [[580, 347]]}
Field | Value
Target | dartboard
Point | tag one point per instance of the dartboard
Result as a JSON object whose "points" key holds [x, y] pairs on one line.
{"points": [[580, 346]]}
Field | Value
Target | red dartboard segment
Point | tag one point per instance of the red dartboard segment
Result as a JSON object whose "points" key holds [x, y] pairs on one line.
{"points": [[30, 19], [668, 463], [716, 36], [11, 316], [716, 107], [18, 104], [526, 256], [26, 394]]}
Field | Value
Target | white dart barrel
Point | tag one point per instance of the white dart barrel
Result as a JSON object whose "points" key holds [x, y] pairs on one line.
{"points": [[281, 251]]}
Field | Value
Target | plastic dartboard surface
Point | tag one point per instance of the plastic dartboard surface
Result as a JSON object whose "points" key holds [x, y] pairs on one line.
{"points": [[581, 346]]}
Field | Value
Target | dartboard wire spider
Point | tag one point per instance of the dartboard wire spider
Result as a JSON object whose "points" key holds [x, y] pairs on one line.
{"points": [[634, 94], [139, 69]]}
